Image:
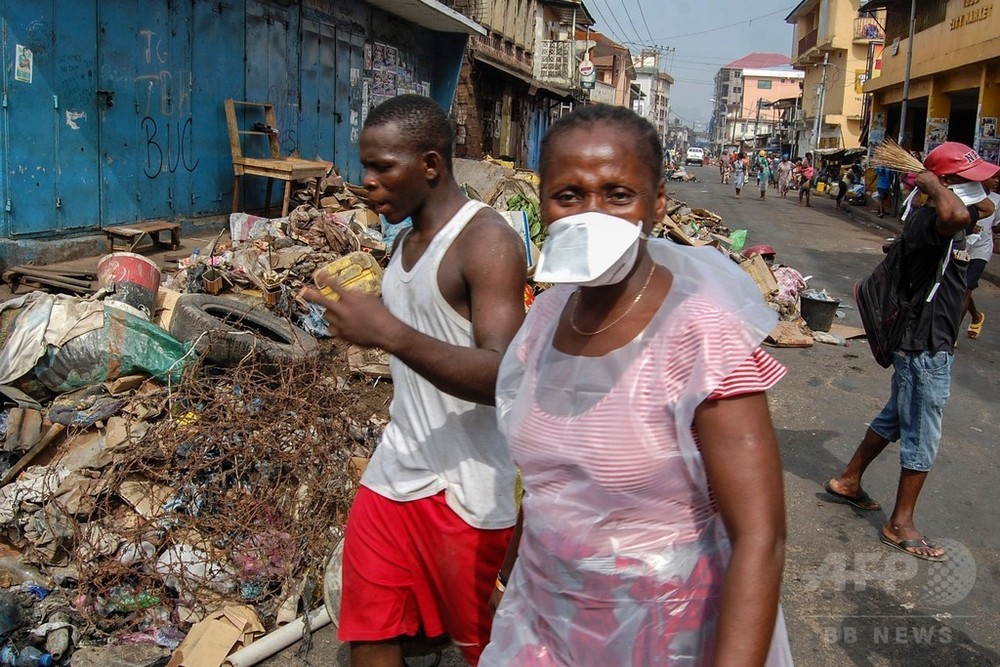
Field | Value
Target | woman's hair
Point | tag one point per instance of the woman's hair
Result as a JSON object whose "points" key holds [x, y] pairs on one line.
{"points": [[648, 145], [420, 120]]}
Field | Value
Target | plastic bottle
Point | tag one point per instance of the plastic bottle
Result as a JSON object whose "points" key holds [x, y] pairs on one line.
{"points": [[29, 656]]}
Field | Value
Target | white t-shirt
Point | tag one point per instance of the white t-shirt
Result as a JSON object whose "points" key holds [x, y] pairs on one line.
{"points": [[980, 243]]}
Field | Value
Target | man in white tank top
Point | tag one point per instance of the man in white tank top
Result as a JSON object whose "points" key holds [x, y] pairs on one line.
{"points": [[430, 524]]}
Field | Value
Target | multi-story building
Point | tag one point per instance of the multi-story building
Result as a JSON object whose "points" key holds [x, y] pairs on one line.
{"points": [[491, 102], [954, 90], [830, 36], [654, 85], [755, 120], [505, 99], [728, 93], [558, 54], [615, 70]]}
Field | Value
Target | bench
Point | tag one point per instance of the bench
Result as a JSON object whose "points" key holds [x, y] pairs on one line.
{"points": [[126, 238]]}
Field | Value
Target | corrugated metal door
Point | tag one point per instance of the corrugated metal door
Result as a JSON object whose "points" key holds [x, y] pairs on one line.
{"points": [[350, 63], [49, 127], [318, 72], [272, 63], [147, 141]]}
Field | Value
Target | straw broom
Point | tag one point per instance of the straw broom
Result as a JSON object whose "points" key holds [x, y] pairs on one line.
{"points": [[891, 155]]}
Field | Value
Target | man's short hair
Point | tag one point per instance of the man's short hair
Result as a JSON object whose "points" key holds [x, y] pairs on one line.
{"points": [[421, 120]]}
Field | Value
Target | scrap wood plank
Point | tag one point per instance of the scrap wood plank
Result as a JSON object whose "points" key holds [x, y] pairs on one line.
{"points": [[788, 334], [761, 274]]}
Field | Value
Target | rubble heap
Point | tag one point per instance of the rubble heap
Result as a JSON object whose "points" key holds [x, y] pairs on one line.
{"points": [[225, 487]]}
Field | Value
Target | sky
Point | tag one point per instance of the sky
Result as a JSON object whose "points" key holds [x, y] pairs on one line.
{"points": [[704, 36]]}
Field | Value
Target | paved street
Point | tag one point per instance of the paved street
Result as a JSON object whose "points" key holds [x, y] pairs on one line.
{"points": [[848, 599]]}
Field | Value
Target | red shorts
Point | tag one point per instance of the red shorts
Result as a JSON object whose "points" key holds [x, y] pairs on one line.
{"points": [[417, 566]]}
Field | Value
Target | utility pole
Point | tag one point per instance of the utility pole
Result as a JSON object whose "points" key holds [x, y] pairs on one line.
{"points": [[906, 78], [818, 124]]}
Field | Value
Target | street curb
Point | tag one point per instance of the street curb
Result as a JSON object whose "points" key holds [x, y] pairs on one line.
{"points": [[895, 225]]}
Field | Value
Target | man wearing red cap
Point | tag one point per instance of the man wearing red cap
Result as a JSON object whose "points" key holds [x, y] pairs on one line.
{"points": [[934, 262]]}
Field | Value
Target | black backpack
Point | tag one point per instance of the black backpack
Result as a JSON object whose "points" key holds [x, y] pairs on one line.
{"points": [[885, 302]]}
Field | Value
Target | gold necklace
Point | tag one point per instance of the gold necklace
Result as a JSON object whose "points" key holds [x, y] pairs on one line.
{"points": [[576, 302]]}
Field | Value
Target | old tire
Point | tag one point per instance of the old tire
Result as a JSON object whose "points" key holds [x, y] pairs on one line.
{"points": [[225, 331]]}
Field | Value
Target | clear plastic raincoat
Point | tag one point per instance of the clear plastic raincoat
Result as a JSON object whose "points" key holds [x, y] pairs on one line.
{"points": [[623, 554]]}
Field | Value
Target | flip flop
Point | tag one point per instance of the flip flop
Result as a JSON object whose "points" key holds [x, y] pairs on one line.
{"points": [[906, 545], [976, 328], [862, 501]]}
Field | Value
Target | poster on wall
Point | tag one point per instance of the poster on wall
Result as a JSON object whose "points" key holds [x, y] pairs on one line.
{"points": [[391, 71], [937, 133], [988, 127], [25, 64], [989, 150]]}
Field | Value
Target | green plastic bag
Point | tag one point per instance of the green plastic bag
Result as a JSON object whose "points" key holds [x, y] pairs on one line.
{"points": [[739, 240], [126, 345]]}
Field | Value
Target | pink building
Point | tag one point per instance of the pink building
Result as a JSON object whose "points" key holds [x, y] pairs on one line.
{"points": [[753, 119]]}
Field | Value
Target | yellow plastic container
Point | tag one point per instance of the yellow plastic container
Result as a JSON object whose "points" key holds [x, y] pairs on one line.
{"points": [[354, 271], [821, 187]]}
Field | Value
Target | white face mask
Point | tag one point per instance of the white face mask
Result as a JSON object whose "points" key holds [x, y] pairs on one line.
{"points": [[589, 249], [969, 192]]}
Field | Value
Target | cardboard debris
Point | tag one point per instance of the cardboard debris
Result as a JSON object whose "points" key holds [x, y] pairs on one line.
{"points": [[369, 361], [358, 466], [846, 332], [788, 334], [146, 498], [761, 274], [221, 633]]}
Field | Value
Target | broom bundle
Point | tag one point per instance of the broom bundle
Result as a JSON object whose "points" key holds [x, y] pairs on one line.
{"points": [[893, 156]]}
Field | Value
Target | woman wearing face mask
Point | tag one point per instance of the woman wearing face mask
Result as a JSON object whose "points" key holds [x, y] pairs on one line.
{"points": [[633, 401]]}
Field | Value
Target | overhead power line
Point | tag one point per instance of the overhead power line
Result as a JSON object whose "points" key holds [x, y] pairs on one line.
{"points": [[645, 23], [628, 15], [621, 32], [723, 27]]}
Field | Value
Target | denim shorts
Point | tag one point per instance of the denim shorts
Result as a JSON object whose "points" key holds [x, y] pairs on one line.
{"points": [[921, 385]]}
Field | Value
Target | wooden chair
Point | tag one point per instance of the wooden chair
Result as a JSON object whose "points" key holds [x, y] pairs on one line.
{"points": [[272, 167]]}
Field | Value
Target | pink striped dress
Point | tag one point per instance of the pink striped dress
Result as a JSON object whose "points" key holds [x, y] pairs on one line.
{"points": [[623, 553]]}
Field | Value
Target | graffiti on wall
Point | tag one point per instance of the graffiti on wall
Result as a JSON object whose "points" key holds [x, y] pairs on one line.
{"points": [[164, 98]]}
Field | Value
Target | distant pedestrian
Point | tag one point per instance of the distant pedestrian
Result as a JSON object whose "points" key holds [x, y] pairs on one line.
{"points": [[842, 185], [740, 167], [763, 173], [934, 270], [725, 166], [806, 172], [883, 186], [784, 170]]}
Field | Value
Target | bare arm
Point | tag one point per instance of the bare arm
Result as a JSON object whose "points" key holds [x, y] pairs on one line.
{"points": [[493, 268], [952, 215], [744, 470]]}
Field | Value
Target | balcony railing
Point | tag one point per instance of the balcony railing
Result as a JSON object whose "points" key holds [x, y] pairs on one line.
{"points": [[555, 61], [807, 42], [867, 29]]}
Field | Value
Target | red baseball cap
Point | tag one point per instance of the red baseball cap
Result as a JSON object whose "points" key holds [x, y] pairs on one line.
{"points": [[952, 157]]}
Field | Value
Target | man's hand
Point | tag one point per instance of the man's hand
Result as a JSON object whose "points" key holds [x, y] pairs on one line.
{"points": [[928, 182], [356, 317]]}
